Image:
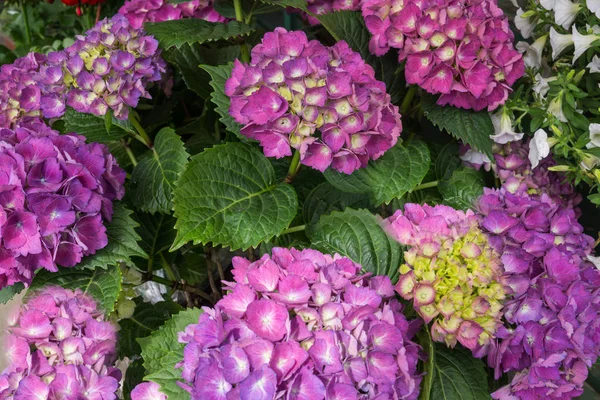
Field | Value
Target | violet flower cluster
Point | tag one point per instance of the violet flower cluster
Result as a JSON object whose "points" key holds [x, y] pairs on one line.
{"points": [[59, 347], [459, 49], [139, 12], [108, 68], [302, 325], [451, 274], [553, 331], [320, 7], [56, 192], [322, 101]]}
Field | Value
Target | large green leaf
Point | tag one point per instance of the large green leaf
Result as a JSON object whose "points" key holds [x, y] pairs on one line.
{"points": [[7, 293], [145, 319], [358, 235], [104, 285], [94, 128], [193, 30], [133, 376], [153, 179], [157, 233], [462, 189], [472, 127], [393, 175], [161, 351], [122, 242], [458, 376], [447, 161], [299, 4], [219, 76], [188, 58], [326, 198], [228, 195]]}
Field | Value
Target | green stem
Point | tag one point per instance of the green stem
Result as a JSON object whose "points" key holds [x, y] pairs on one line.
{"points": [[429, 365], [179, 286], [425, 186], [167, 267], [142, 136], [293, 229], [239, 16], [25, 11], [294, 167], [410, 95], [130, 153]]}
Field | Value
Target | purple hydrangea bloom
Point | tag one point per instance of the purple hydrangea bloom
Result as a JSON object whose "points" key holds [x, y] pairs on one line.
{"points": [[139, 12], [322, 101], [110, 67], [302, 325], [55, 193], [461, 50], [553, 331], [59, 347], [147, 391], [320, 7]]}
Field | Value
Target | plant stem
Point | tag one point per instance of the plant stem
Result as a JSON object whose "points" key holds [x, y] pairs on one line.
{"points": [[410, 95], [429, 365], [179, 286], [239, 16], [98, 12], [293, 229], [142, 135], [167, 267], [130, 153], [294, 167], [425, 186], [25, 11]]}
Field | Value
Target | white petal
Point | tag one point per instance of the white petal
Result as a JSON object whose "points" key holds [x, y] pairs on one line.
{"points": [[582, 42], [594, 136], [540, 86], [555, 108], [565, 13], [533, 54], [559, 42], [538, 147], [593, 6], [594, 65], [524, 25], [594, 260], [548, 4]]}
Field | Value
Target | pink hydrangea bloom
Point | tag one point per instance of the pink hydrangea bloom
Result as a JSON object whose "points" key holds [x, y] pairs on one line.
{"points": [[320, 7], [59, 347], [147, 391], [461, 50], [554, 310], [302, 325], [56, 192], [322, 101], [139, 12]]}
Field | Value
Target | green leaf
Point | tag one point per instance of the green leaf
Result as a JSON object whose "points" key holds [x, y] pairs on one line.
{"points": [[133, 376], [447, 161], [161, 351], [462, 189], [192, 30], [188, 58], [122, 242], [219, 76], [472, 127], [94, 128], [146, 319], [228, 195], [104, 285], [458, 376], [391, 176], [153, 179], [358, 235], [326, 198], [7, 293], [299, 4], [349, 26], [157, 233]]}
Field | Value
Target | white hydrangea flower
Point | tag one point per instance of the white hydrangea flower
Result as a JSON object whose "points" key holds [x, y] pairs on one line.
{"points": [[565, 12], [503, 129], [594, 136], [524, 25], [538, 147], [582, 42], [559, 42]]}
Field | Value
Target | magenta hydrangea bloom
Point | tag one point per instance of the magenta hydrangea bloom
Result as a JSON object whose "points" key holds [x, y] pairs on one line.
{"points": [[322, 101], [139, 12], [110, 67], [320, 7], [59, 347], [19, 94], [56, 192], [459, 49], [451, 274], [302, 325], [553, 315], [147, 391]]}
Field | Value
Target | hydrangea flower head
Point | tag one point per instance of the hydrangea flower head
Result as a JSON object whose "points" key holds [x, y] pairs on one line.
{"points": [[320, 7], [55, 193], [60, 347], [302, 325], [461, 50], [139, 12], [451, 273], [322, 101], [110, 67], [147, 391]]}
